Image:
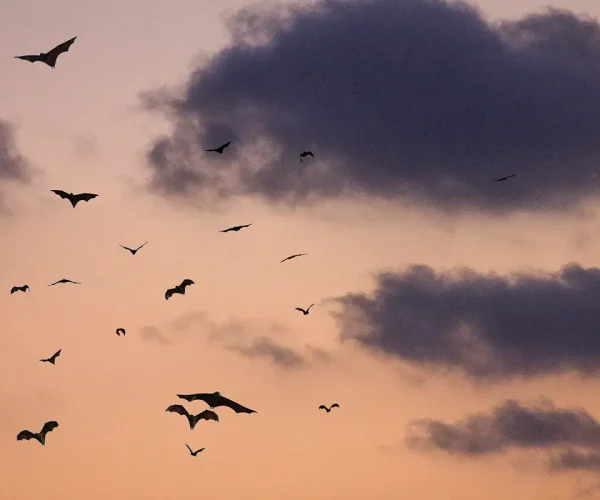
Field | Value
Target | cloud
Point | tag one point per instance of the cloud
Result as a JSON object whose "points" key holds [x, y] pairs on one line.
{"points": [[263, 347], [487, 326], [13, 166], [153, 334], [570, 437], [422, 100]]}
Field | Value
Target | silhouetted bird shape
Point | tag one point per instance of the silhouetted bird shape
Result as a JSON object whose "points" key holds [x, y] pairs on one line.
{"points": [[305, 154], [40, 436], [293, 256], [193, 419], [23, 288], [235, 228], [133, 251], [178, 289], [50, 57], [214, 400], [323, 407], [304, 311], [64, 280], [194, 453], [74, 198], [120, 331], [220, 149], [52, 359], [504, 178]]}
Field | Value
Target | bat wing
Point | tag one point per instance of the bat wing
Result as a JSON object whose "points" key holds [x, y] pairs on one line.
{"points": [[180, 410], [126, 248], [335, 405], [299, 309], [310, 307], [236, 407], [323, 407], [52, 56], [56, 354], [224, 145], [206, 397], [62, 193], [27, 435], [169, 293], [84, 197], [140, 246], [14, 289], [226, 230], [186, 282], [31, 58], [48, 427], [188, 447], [208, 415]]}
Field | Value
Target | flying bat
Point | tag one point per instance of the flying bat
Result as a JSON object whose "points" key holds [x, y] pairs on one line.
{"points": [[214, 400], [305, 154], [504, 178], [133, 251], [23, 288], [120, 331], [40, 436], [323, 407], [50, 57], [193, 419], [194, 453], [304, 311], [235, 228], [293, 256], [52, 359], [64, 281], [74, 198], [220, 149], [178, 289]]}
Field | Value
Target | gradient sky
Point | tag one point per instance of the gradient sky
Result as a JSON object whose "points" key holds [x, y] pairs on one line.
{"points": [[82, 128]]}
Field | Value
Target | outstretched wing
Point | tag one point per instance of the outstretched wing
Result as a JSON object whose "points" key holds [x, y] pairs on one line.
{"points": [[189, 448], [323, 407], [309, 307], [14, 289], [25, 435], [208, 415], [52, 56], [180, 410], [236, 407], [186, 282], [126, 248], [227, 230], [223, 146], [48, 427], [62, 193], [335, 405], [31, 58], [299, 309], [84, 197], [202, 396], [169, 293], [140, 247]]}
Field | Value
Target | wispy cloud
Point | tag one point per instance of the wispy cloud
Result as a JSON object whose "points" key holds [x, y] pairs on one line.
{"points": [[153, 334]]}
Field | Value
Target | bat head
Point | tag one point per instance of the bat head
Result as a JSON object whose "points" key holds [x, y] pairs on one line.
{"points": [[217, 394]]}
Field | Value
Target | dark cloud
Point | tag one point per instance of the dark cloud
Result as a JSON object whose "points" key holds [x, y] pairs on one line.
{"points": [[486, 325], [268, 349], [569, 437], [417, 99], [13, 166]]}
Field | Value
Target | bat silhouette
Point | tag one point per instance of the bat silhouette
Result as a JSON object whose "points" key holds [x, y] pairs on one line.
{"points": [[133, 251], [293, 256], [52, 359], [220, 149], [305, 154], [74, 198], [50, 57], [214, 400], [235, 228], [23, 288], [179, 288], [120, 331], [193, 419], [504, 178], [194, 453], [323, 407], [40, 436], [304, 311], [64, 281]]}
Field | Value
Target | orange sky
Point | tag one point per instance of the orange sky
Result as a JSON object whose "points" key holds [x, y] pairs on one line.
{"points": [[79, 125]]}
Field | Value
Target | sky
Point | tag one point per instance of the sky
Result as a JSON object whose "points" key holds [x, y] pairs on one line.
{"points": [[455, 319]]}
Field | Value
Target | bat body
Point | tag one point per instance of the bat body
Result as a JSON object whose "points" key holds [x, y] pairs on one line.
{"points": [[220, 149], [235, 228], [194, 453], [504, 178], [50, 57], [323, 407], [179, 288], [293, 256], [64, 280], [23, 288], [193, 419], [304, 311], [120, 331], [132, 250], [52, 359], [39, 436], [305, 154], [74, 198], [214, 400]]}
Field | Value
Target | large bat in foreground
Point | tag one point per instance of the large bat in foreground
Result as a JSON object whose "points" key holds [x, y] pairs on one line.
{"points": [[50, 57], [215, 400], [39, 436], [193, 419], [74, 198]]}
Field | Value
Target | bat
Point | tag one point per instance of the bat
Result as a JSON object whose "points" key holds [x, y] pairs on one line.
{"points": [[179, 288], [74, 198], [120, 331], [323, 407], [64, 281], [133, 251], [220, 149], [235, 228], [214, 400], [304, 311], [193, 419], [194, 453], [23, 288], [293, 256], [50, 57], [504, 178], [52, 359], [40, 436], [305, 154]]}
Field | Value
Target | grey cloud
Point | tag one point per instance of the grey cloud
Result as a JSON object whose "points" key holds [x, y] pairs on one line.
{"points": [[13, 165], [415, 99], [268, 349], [153, 334]]}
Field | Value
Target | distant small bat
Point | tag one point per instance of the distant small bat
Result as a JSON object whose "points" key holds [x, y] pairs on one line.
{"points": [[504, 178], [304, 311], [293, 256], [23, 288], [214, 400], [50, 57], [133, 251], [74, 198], [193, 419], [235, 228], [120, 331], [64, 281], [194, 453], [305, 154], [40, 436], [52, 359], [323, 407], [220, 149], [178, 289]]}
